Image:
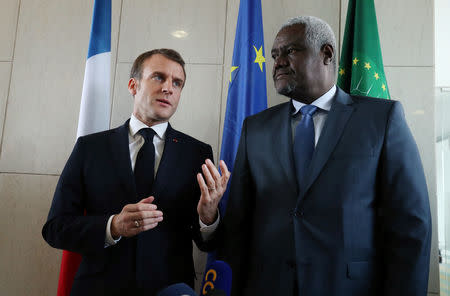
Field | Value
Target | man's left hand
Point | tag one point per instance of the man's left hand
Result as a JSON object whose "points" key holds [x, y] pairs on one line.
{"points": [[211, 190]]}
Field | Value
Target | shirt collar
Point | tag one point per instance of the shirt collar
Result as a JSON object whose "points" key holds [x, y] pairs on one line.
{"points": [[323, 102], [136, 125]]}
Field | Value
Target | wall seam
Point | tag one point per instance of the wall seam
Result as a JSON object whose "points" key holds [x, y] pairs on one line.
{"points": [[340, 30], [10, 79], [219, 140], [29, 174], [113, 82], [407, 66]]}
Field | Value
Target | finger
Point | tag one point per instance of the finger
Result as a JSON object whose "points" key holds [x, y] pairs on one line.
{"points": [[213, 171], [225, 172], [209, 179], [152, 220], [139, 216], [133, 230], [137, 226], [149, 199], [139, 207], [203, 186], [144, 204], [151, 214]]}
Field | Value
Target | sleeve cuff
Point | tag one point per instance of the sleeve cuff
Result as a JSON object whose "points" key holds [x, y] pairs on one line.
{"points": [[109, 241], [207, 231]]}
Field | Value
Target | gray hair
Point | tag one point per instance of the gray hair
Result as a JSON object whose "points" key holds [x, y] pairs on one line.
{"points": [[317, 32]]}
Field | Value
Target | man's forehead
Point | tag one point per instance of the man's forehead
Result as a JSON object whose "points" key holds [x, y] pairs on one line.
{"points": [[289, 35], [159, 63]]}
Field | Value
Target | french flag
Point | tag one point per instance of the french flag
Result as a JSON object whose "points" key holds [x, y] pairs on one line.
{"points": [[95, 109]]}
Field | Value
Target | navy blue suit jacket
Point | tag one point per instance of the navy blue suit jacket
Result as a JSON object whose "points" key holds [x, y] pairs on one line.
{"points": [[360, 224], [98, 180]]}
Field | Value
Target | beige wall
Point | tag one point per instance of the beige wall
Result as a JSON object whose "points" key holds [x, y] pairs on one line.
{"points": [[43, 46]]}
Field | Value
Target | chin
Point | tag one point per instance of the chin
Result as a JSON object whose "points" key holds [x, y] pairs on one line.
{"points": [[284, 88], [285, 91]]}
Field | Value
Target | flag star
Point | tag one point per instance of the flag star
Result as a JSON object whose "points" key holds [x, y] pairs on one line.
{"points": [[260, 59], [367, 66], [383, 87], [376, 76], [341, 71], [355, 61], [232, 69]]}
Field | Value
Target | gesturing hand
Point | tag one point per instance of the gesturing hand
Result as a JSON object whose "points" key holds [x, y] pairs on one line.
{"points": [[212, 190], [136, 218]]}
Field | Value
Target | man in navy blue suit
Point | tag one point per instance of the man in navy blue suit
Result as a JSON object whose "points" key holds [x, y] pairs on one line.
{"points": [[131, 200], [328, 195]]}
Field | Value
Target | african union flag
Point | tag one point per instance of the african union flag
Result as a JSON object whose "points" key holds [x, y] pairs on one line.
{"points": [[361, 69]]}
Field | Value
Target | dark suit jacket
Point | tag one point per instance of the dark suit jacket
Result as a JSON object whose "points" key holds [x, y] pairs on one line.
{"points": [[360, 224], [99, 181]]}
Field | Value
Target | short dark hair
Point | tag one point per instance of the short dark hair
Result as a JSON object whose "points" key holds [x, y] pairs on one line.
{"points": [[136, 69]]}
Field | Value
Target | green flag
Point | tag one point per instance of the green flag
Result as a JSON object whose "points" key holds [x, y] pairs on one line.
{"points": [[361, 69]]}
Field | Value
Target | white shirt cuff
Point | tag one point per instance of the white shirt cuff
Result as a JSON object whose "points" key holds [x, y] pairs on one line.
{"points": [[207, 231], [109, 241]]}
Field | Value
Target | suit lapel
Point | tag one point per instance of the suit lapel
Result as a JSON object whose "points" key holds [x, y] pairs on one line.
{"points": [[284, 153], [173, 151], [120, 151], [338, 117]]}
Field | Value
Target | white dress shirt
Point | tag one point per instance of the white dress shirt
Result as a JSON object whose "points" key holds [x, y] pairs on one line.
{"points": [[323, 105], [136, 141]]}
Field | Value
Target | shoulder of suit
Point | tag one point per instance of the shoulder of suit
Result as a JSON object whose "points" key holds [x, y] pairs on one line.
{"points": [[99, 136], [270, 112], [374, 108], [372, 101]]}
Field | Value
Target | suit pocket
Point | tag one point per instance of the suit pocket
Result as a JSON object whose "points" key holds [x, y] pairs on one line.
{"points": [[361, 270]]}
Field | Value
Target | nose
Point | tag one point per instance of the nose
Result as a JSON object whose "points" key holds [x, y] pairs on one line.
{"points": [[167, 87], [280, 61]]}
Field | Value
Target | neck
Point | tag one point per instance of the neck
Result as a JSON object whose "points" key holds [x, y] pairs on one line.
{"points": [[309, 98], [147, 121]]}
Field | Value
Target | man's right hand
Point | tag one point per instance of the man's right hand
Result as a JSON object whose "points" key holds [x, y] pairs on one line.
{"points": [[136, 218]]}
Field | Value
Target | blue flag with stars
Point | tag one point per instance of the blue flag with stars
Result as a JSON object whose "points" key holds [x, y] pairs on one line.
{"points": [[247, 83], [247, 94]]}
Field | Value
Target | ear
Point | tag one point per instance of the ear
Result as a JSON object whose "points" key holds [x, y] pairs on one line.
{"points": [[132, 86], [328, 54]]}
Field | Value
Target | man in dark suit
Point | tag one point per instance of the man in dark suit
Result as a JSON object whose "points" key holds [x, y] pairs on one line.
{"points": [[328, 195], [129, 199]]}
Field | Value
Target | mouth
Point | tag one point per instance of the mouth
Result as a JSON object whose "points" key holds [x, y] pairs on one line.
{"points": [[281, 75], [164, 102]]}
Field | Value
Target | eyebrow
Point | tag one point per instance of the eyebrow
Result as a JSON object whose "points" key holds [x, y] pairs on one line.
{"points": [[178, 79], [158, 73], [165, 75], [291, 44]]}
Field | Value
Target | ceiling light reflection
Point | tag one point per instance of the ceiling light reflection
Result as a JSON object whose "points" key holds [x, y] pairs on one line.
{"points": [[179, 34]]}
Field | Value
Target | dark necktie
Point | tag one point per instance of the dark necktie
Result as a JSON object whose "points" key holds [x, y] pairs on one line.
{"points": [[148, 256], [304, 143], [145, 165]]}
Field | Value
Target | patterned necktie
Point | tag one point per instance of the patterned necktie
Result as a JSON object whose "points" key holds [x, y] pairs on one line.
{"points": [[304, 142], [145, 165]]}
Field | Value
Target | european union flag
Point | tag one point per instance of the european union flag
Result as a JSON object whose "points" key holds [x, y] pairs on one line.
{"points": [[247, 88], [247, 94]]}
